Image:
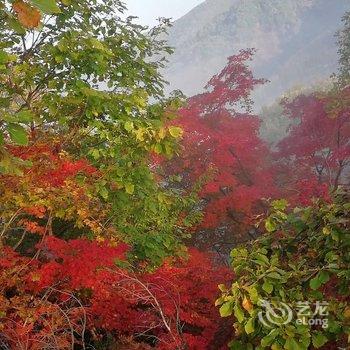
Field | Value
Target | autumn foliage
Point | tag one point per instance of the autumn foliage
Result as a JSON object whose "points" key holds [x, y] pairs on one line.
{"points": [[222, 149], [315, 156], [89, 290], [222, 143], [106, 186]]}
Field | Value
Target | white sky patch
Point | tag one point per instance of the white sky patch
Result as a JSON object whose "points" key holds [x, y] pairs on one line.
{"points": [[149, 10]]}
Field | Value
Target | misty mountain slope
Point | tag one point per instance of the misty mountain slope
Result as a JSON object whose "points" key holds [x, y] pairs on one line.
{"points": [[294, 38]]}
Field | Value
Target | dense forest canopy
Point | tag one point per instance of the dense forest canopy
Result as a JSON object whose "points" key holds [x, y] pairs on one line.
{"points": [[132, 220]]}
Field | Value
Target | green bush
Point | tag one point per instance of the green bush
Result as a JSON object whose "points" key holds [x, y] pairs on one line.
{"points": [[302, 259]]}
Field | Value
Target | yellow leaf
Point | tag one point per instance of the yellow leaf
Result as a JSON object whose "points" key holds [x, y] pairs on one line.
{"points": [[326, 231], [162, 133], [140, 134], [129, 188], [175, 131]]}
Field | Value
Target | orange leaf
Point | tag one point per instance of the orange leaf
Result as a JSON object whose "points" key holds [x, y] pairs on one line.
{"points": [[35, 277], [27, 15], [247, 304]]}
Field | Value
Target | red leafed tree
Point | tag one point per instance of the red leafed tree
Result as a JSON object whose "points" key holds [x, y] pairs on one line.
{"points": [[221, 140], [53, 189], [315, 156], [88, 289]]}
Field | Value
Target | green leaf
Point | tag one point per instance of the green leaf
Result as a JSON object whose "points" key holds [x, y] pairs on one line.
{"points": [[3, 57], [128, 126], [16, 26], [280, 204], [158, 148], [262, 259], [253, 293], [4, 102], [334, 326], [321, 278], [226, 309], [25, 116], [175, 131], [239, 253], [18, 134], [97, 44], [270, 225], [46, 6], [104, 192], [239, 313], [292, 344], [315, 283], [268, 339], [267, 287], [237, 345], [249, 327], [95, 153], [318, 340], [274, 275]]}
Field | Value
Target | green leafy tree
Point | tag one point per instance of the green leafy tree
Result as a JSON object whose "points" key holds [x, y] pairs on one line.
{"points": [[302, 258], [86, 81]]}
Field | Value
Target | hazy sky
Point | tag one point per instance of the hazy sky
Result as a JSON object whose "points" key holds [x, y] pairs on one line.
{"points": [[150, 10]]}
